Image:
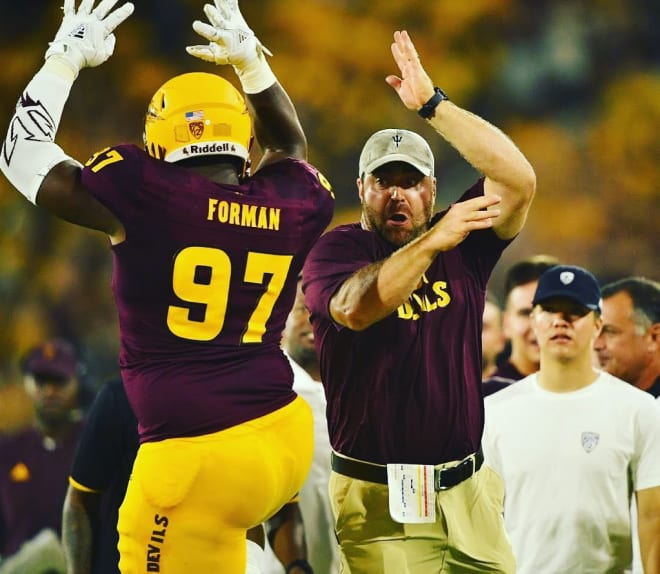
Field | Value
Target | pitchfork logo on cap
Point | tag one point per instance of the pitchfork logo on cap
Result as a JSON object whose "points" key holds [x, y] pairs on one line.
{"points": [[566, 277], [590, 441], [397, 139]]}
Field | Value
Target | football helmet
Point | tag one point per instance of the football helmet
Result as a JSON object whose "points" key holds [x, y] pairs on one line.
{"points": [[197, 114]]}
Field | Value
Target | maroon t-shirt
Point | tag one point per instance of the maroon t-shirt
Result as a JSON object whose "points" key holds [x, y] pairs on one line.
{"points": [[203, 284], [408, 388], [34, 476]]}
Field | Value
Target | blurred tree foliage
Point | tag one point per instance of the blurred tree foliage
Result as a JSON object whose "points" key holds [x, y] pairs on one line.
{"points": [[575, 84]]}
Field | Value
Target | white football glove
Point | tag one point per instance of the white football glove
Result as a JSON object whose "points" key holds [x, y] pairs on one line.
{"points": [[85, 38], [231, 40]]}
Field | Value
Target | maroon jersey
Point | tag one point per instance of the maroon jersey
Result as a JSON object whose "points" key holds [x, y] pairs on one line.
{"points": [[408, 388], [203, 284], [34, 473]]}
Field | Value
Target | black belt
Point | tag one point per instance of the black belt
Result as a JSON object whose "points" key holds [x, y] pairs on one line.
{"points": [[444, 477]]}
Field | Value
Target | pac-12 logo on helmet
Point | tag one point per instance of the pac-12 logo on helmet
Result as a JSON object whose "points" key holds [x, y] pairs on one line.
{"points": [[196, 129], [182, 116]]}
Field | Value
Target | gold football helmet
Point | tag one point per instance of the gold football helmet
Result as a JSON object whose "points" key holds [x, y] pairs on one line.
{"points": [[194, 115]]}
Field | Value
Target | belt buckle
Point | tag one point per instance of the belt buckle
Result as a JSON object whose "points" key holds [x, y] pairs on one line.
{"points": [[438, 481]]}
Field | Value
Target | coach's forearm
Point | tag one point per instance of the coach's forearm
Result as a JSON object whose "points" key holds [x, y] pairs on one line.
{"points": [[375, 291], [484, 146], [491, 152]]}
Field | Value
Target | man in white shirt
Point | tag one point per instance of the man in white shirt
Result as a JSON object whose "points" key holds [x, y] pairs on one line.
{"points": [[572, 443]]}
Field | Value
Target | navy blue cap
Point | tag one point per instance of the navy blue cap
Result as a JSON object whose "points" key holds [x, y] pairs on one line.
{"points": [[571, 282]]}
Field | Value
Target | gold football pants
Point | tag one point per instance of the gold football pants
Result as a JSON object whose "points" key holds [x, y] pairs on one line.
{"points": [[190, 500]]}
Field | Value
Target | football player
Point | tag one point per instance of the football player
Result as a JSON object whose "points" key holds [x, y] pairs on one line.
{"points": [[205, 268]]}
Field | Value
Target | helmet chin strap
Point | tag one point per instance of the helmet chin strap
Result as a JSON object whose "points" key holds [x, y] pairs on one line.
{"points": [[246, 170], [247, 165]]}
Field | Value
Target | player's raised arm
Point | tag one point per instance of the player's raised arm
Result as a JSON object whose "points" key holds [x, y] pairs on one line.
{"points": [[30, 158], [231, 41]]}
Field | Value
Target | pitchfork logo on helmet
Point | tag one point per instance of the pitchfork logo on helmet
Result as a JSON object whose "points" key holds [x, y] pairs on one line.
{"points": [[194, 115]]}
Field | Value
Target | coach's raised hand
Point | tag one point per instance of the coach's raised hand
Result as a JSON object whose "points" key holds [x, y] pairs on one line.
{"points": [[85, 38]]}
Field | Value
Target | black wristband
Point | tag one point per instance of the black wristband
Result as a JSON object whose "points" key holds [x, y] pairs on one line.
{"points": [[427, 111], [302, 564]]}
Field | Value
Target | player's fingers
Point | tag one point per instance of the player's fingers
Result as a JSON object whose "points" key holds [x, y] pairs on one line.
{"points": [[214, 16], [69, 7], [85, 7], [265, 50], [205, 30], [101, 11], [201, 52], [224, 9], [118, 16], [209, 53]]}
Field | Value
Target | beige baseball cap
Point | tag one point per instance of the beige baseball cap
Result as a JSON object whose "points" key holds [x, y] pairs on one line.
{"points": [[390, 145]]}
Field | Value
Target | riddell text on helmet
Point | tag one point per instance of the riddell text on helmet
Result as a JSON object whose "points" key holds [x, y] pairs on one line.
{"points": [[195, 149]]}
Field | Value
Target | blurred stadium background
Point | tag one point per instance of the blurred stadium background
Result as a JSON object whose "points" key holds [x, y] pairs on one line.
{"points": [[575, 83]]}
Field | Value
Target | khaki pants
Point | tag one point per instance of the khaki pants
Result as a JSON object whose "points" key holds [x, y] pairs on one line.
{"points": [[467, 536]]}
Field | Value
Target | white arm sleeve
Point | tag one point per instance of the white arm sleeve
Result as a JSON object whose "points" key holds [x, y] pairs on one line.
{"points": [[29, 151]]}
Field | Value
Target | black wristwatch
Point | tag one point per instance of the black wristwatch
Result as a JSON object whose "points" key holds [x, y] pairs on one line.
{"points": [[427, 111]]}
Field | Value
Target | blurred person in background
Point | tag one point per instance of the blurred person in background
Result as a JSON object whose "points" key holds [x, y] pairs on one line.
{"points": [[573, 443], [493, 343], [35, 463], [492, 336], [519, 287], [628, 346], [396, 304], [206, 260], [298, 344], [98, 478]]}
